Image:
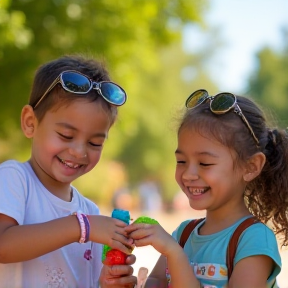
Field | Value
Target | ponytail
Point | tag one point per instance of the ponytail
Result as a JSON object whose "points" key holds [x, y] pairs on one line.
{"points": [[268, 193]]}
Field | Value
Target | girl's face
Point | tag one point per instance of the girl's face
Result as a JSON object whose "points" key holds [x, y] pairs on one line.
{"points": [[206, 174], [68, 142]]}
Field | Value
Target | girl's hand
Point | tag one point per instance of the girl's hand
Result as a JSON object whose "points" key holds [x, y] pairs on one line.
{"points": [[147, 234], [110, 231]]}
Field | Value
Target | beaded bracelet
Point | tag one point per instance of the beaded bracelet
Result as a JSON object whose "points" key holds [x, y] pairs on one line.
{"points": [[87, 227], [82, 226]]}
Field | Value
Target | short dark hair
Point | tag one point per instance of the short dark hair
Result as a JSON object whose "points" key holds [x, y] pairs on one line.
{"points": [[48, 72]]}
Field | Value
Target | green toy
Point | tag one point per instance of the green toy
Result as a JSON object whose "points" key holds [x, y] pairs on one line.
{"points": [[146, 220]]}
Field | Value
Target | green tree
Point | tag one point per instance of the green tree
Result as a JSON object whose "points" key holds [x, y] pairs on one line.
{"points": [[269, 83], [140, 41], [124, 33]]}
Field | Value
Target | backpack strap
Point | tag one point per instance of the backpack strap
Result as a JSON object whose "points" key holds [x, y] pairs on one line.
{"points": [[233, 243], [188, 230]]}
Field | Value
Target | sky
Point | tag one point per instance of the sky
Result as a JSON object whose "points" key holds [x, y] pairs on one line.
{"points": [[244, 26]]}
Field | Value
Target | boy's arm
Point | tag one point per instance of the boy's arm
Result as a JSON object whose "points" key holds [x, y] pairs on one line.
{"points": [[24, 242]]}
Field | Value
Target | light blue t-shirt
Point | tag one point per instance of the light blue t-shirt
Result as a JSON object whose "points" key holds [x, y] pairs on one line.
{"points": [[207, 253]]}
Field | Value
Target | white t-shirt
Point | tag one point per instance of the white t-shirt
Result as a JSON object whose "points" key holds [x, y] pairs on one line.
{"points": [[24, 198]]}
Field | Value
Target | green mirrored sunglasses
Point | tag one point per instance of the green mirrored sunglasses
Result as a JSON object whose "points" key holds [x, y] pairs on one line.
{"points": [[219, 104]]}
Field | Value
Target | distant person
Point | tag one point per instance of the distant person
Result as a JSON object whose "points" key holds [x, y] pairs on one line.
{"points": [[179, 202], [122, 199], [233, 165], [150, 197], [50, 234]]}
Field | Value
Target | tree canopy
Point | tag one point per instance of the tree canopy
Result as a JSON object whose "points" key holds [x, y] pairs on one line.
{"points": [[269, 83], [140, 42]]}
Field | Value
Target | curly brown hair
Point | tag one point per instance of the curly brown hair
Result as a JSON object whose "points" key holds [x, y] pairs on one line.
{"points": [[267, 195]]}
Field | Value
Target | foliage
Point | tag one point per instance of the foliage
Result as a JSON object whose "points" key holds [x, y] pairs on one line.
{"points": [[124, 33], [269, 84], [140, 42]]}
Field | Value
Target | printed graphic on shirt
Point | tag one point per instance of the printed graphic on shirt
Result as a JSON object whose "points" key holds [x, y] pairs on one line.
{"points": [[211, 275], [55, 278]]}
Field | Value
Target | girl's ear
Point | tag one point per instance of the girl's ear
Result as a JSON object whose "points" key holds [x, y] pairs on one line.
{"points": [[28, 121], [254, 166]]}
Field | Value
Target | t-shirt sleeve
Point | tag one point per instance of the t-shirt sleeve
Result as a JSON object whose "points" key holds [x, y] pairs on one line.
{"points": [[12, 192], [259, 239]]}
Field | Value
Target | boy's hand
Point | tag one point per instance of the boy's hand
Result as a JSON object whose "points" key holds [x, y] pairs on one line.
{"points": [[118, 276], [110, 231]]}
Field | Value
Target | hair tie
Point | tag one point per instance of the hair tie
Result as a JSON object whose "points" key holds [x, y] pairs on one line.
{"points": [[272, 136]]}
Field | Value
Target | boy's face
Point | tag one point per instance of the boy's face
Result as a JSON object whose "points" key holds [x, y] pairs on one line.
{"points": [[68, 142]]}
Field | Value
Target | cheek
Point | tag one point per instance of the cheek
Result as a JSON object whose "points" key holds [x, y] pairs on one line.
{"points": [[178, 177], [50, 146], [93, 160]]}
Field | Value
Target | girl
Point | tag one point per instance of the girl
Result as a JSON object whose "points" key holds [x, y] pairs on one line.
{"points": [[72, 106], [231, 164]]}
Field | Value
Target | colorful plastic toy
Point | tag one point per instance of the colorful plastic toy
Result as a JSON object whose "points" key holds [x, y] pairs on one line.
{"points": [[112, 256], [145, 219], [115, 257]]}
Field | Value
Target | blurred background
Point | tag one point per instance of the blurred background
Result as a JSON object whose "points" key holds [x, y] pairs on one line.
{"points": [[160, 52]]}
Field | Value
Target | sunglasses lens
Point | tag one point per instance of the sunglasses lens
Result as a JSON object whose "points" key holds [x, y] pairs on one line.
{"points": [[113, 93], [222, 102], [75, 82], [196, 98]]}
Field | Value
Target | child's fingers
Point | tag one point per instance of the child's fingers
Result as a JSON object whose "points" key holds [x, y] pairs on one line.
{"points": [[119, 223], [144, 241], [122, 247], [122, 243], [131, 259], [133, 227], [141, 233]]}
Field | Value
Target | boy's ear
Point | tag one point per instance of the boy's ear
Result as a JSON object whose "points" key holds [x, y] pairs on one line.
{"points": [[28, 121], [254, 166]]}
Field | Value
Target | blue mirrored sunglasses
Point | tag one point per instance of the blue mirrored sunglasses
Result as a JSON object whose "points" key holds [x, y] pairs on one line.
{"points": [[78, 83]]}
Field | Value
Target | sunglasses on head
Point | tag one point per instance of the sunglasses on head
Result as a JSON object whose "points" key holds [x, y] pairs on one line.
{"points": [[78, 83], [219, 104]]}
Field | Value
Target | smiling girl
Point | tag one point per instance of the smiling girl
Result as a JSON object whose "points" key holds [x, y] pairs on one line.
{"points": [[231, 164]]}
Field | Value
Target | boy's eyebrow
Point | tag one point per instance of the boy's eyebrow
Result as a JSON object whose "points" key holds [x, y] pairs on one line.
{"points": [[68, 126], [205, 153]]}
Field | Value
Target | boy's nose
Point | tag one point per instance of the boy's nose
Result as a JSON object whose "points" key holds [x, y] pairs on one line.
{"points": [[78, 152]]}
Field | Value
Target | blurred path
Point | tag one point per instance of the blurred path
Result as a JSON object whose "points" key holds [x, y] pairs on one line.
{"points": [[148, 256]]}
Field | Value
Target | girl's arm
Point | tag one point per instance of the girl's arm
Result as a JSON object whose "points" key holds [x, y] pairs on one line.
{"points": [[181, 272], [24, 242], [157, 277], [251, 272]]}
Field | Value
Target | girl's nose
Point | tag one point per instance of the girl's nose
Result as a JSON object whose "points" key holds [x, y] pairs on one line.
{"points": [[190, 174]]}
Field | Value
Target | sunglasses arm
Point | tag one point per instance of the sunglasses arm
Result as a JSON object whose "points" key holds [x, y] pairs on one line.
{"points": [[54, 83], [238, 111]]}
